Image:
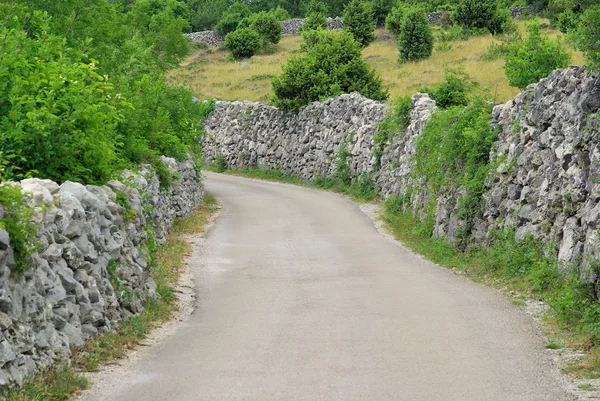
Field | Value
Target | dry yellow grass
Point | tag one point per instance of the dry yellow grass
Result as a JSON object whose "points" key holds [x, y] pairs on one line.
{"points": [[210, 76]]}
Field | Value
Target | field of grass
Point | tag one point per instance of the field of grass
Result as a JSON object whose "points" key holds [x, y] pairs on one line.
{"points": [[210, 76]]}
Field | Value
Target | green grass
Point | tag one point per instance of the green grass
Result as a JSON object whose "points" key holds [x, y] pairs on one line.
{"points": [[209, 75], [64, 382], [586, 387]]}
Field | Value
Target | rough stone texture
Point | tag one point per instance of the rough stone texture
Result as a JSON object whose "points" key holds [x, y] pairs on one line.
{"points": [[547, 183], [211, 38], [91, 270], [517, 12]]}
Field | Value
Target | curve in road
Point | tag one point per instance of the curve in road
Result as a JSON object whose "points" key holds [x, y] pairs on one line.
{"points": [[300, 298]]}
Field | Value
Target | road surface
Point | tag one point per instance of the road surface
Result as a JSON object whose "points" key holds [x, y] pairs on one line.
{"points": [[300, 298]]}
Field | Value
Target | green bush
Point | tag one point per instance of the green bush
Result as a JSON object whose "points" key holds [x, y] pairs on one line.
{"points": [[231, 18], [453, 91], [534, 58], [393, 22], [381, 9], [415, 41], [243, 43], [315, 21], [280, 13], [205, 14], [266, 25], [481, 14], [331, 63], [587, 37], [359, 20]]}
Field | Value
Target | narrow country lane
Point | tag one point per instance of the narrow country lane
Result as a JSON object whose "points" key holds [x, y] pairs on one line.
{"points": [[300, 298]]}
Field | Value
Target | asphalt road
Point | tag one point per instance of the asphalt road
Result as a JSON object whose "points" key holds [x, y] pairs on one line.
{"points": [[300, 298]]}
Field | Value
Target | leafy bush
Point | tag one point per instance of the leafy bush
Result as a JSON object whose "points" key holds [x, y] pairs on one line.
{"points": [[266, 25], [415, 41], [587, 37], [453, 152], [231, 18], [243, 42], [280, 13], [393, 22], [331, 64], [453, 91], [359, 20], [534, 58], [205, 14], [381, 9], [18, 221], [315, 21], [481, 14]]}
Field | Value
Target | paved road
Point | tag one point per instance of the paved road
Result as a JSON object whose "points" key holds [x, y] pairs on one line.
{"points": [[300, 298]]}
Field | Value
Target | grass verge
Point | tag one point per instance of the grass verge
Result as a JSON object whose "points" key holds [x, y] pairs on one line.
{"points": [[64, 382]]}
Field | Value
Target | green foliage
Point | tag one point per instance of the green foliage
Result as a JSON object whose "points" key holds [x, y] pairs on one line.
{"points": [[396, 120], [453, 91], [19, 221], [315, 21], [587, 37], [205, 14], [231, 18], [364, 188], [359, 20], [534, 58], [481, 14], [331, 64], [243, 42], [453, 152], [58, 383], [381, 8], [220, 163], [393, 21], [415, 41], [280, 13], [266, 25]]}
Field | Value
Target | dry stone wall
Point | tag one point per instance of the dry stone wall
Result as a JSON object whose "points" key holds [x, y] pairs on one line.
{"points": [[91, 269], [547, 183]]}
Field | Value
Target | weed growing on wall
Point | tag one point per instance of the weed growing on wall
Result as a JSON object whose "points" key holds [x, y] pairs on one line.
{"points": [[17, 218], [396, 121]]}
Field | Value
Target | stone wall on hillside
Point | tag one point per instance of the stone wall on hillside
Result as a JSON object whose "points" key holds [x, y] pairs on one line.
{"points": [[91, 269], [547, 183]]}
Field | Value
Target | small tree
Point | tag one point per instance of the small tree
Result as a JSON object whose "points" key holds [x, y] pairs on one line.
{"points": [[231, 18], [480, 14], [534, 58], [381, 8], [393, 22], [587, 37], [416, 40], [315, 21], [359, 21], [331, 64], [243, 42], [265, 24]]}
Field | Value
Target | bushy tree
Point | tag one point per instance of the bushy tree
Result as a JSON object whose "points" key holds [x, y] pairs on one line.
{"points": [[381, 9], [315, 21], [280, 13], [393, 22], [480, 14], [265, 24], [415, 41], [587, 36], [231, 18], [205, 14], [534, 58], [331, 64], [359, 20], [243, 42]]}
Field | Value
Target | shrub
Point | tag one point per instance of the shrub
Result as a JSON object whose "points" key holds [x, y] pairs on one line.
{"points": [[381, 9], [480, 14], [587, 37], [205, 14], [315, 21], [331, 64], [266, 25], [231, 18], [453, 91], [393, 22], [243, 43], [534, 58], [359, 20], [416, 40]]}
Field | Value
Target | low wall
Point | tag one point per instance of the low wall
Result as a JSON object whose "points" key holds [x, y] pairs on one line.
{"points": [[548, 151], [91, 269]]}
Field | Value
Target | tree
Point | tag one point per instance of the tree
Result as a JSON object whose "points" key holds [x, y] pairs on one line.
{"points": [[231, 18], [393, 21], [480, 14], [315, 21], [416, 40], [381, 8], [331, 64], [534, 58], [587, 37], [265, 24], [243, 42], [359, 20]]}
